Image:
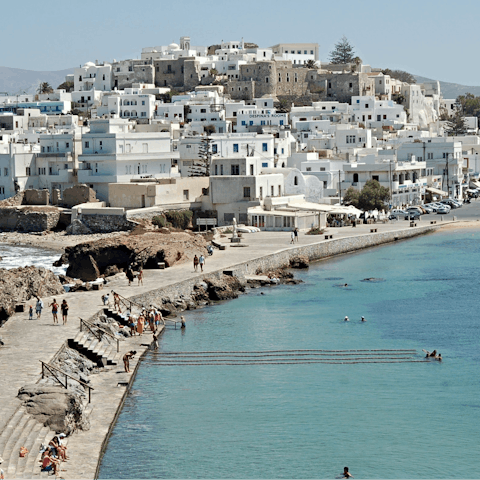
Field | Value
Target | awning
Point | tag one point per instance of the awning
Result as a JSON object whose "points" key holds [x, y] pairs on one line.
{"points": [[474, 184], [437, 191]]}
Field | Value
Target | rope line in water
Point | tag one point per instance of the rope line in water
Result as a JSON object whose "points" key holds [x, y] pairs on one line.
{"points": [[287, 351], [273, 360], [286, 355], [172, 364]]}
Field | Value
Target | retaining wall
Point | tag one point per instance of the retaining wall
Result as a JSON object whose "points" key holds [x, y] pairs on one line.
{"points": [[318, 251], [28, 219]]}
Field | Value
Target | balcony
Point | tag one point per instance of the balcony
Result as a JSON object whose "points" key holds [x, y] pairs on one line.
{"points": [[169, 72]]}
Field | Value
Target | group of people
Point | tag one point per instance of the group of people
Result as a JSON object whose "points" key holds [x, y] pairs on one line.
{"points": [[346, 319], [151, 317], [55, 307], [131, 276], [198, 261], [294, 235], [434, 355], [54, 453]]}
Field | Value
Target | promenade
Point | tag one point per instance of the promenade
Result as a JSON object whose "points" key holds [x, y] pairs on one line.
{"points": [[29, 342]]}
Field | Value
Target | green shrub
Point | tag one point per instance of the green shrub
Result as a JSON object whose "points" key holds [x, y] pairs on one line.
{"points": [[159, 221], [179, 218], [315, 231]]}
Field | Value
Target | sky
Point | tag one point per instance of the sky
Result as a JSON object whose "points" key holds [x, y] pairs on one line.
{"points": [[432, 38]]}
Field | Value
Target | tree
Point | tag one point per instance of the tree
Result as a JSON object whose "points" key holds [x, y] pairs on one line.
{"points": [[457, 125], [372, 196], [400, 75], [311, 64], [469, 105], [44, 87], [351, 197], [342, 53], [201, 166], [67, 86]]}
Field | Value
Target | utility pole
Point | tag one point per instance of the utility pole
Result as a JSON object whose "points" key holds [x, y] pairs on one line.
{"points": [[448, 180], [340, 186], [391, 187]]}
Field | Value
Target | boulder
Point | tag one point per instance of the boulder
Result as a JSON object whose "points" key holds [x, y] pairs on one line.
{"points": [[299, 261], [111, 270], [225, 288], [60, 409], [20, 285], [84, 268], [77, 228]]}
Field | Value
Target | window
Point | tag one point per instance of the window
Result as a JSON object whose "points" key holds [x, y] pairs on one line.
{"points": [[67, 145], [272, 191], [430, 156], [214, 148], [295, 180], [185, 195], [203, 110], [216, 169], [261, 193], [351, 139], [221, 169], [264, 147], [87, 144], [244, 122], [264, 164], [355, 178], [309, 169], [366, 105], [235, 169], [350, 85], [375, 177], [251, 169], [246, 192]]}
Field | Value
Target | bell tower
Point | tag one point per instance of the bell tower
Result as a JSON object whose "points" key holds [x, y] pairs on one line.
{"points": [[184, 43]]}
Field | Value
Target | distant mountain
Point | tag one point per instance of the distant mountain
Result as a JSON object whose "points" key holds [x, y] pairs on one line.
{"points": [[451, 90], [16, 81]]}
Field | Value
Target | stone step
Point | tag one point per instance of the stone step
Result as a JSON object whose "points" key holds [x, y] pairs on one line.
{"points": [[30, 446], [20, 437], [15, 433], [9, 428], [6, 413], [32, 466], [91, 343]]}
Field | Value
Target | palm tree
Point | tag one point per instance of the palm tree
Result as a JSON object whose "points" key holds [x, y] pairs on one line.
{"points": [[44, 87]]}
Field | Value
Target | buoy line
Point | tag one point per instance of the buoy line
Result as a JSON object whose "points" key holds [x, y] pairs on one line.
{"points": [[226, 355], [325, 362], [288, 351], [273, 360]]}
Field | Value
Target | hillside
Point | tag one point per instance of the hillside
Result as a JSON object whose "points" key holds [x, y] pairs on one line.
{"points": [[17, 81], [451, 90]]}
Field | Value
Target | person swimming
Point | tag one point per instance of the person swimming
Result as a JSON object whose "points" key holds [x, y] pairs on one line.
{"points": [[346, 473], [346, 319], [363, 319]]}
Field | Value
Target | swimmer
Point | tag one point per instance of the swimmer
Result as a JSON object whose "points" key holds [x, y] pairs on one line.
{"points": [[346, 319], [346, 473], [363, 319], [439, 357], [346, 285]]}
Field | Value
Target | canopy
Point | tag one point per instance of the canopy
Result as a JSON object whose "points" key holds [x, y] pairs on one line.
{"points": [[437, 191], [475, 184]]}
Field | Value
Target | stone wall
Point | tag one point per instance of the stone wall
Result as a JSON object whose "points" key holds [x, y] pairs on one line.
{"points": [[36, 197], [318, 251], [28, 219], [107, 223], [181, 73], [78, 194]]}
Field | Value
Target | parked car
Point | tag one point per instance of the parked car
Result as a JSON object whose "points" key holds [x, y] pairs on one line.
{"points": [[442, 210], [415, 209], [428, 209], [449, 202], [412, 216], [396, 213]]}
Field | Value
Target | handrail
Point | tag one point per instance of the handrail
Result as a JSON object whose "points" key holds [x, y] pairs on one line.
{"points": [[50, 367], [90, 326]]}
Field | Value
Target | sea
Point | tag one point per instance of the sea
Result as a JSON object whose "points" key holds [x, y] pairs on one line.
{"points": [[287, 388]]}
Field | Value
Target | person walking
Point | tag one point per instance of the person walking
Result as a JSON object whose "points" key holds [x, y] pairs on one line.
{"points": [[30, 312], [155, 342], [54, 306], [201, 261], [130, 275], [195, 263], [140, 276], [295, 232], [292, 237], [39, 307], [64, 307]]}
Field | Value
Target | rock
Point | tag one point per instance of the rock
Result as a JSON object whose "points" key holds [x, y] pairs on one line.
{"points": [[111, 270], [55, 407], [118, 253], [223, 289], [20, 285], [299, 261], [77, 228]]}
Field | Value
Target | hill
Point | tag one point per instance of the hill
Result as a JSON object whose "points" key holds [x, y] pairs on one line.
{"points": [[17, 81], [451, 90]]}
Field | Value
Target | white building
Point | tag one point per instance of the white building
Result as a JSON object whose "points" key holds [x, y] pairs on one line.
{"points": [[113, 152], [93, 77]]}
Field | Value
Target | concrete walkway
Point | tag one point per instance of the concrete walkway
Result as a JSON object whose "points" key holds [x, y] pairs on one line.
{"points": [[28, 342]]}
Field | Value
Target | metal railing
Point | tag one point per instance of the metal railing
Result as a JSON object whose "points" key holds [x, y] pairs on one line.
{"points": [[51, 368], [91, 327]]}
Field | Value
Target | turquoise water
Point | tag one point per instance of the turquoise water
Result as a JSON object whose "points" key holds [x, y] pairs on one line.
{"points": [[383, 420]]}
